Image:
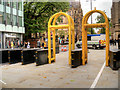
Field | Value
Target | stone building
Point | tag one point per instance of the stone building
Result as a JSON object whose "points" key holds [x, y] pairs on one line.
{"points": [[76, 13], [115, 19]]}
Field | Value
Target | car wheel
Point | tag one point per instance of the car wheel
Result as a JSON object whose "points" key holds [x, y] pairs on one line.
{"points": [[94, 46]]}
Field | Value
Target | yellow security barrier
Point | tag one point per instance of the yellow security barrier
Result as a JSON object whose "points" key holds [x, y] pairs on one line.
{"points": [[85, 26], [53, 27]]}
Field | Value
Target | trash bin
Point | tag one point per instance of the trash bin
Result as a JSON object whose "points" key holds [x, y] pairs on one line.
{"points": [[14, 55], [76, 58], [28, 56], [42, 56], [4, 55], [114, 60]]}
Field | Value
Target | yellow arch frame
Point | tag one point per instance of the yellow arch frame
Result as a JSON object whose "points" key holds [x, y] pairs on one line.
{"points": [[53, 27], [84, 34]]}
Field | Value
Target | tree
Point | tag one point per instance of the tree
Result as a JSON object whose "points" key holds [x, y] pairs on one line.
{"points": [[89, 31], [37, 14], [101, 19]]}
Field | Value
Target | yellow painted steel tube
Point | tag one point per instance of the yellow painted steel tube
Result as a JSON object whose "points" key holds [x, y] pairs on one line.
{"points": [[53, 27], [85, 26], [95, 25], [59, 26]]}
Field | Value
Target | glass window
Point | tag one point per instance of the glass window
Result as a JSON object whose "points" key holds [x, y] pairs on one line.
{"points": [[14, 5], [20, 21], [1, 2], [8, 19], [20, 6], [0, 40], [8, 3], [14, 20], [1, 18]]}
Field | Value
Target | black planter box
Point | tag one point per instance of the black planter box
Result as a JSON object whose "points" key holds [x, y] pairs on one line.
{"points": [[114, 61], [28, 56], [4, 55], [76, 58], [14, 55], [42, 56]]}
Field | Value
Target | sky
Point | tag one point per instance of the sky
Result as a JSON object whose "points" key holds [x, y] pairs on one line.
{"points": [[103, 5]]}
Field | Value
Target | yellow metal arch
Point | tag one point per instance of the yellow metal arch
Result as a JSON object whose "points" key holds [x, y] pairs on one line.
{"points": [[51, 28], [84, 34]]}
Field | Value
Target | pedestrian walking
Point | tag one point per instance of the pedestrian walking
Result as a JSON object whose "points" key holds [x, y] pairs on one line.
{"points": [[38, 44], [28, 44], [12, 44], [21, 44], [115, 42], [43, 43]]}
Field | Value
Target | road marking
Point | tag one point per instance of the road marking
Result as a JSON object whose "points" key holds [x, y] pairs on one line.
{"points": [[2, 82], [98, 76]]}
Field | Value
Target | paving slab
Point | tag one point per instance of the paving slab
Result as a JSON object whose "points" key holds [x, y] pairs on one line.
{"points": [[59, 74]]}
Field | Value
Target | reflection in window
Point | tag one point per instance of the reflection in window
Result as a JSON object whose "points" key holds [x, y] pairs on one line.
{"points": [[20, 6], [8, 3], [20, 21], [8, 19], [14, 5], [1, 17], [14, 20]]}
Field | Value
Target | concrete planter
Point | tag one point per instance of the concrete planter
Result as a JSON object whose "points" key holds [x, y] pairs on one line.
{"points": [[28, 56], [4, 56], [76, 58], [114, 61], [42, 56], [14, 55]]}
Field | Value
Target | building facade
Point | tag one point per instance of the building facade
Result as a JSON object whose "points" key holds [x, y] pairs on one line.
{"points": [[115, 20], [76, 13], [11, 22]]}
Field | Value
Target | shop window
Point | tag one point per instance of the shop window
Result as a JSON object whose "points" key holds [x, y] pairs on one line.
{"points": [[14, 20], [20, 6], [8, 19], [38, 35], [1, 17], [20, 21], [33, 35]]}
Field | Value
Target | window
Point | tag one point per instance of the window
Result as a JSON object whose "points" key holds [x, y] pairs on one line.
{"points": [[8, 19], [14, 5], [119, 21], [14, 20], [20, 21], [1, 2], [20, 6], [1, 17], [8, 3]]}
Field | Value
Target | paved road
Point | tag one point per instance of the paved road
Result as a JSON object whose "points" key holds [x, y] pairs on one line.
{"points": [[60, 75]]}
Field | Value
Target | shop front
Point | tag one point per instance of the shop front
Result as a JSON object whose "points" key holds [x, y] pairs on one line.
{"points": [[12, 40]]}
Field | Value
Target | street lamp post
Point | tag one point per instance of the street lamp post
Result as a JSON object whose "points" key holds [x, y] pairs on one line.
{"points": [[91, 15]]}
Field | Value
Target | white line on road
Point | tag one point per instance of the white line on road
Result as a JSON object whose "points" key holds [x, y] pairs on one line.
{"points": [[2, 82], [98, 76]]}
